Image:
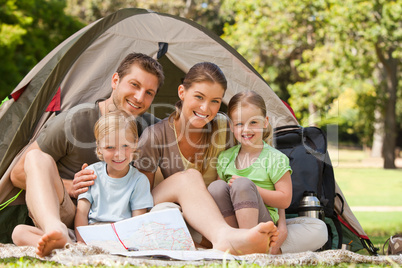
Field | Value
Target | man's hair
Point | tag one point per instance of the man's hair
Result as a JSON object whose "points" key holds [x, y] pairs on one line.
{"points": [[143, 61]]}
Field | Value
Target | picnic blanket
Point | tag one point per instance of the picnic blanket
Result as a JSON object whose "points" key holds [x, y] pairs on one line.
{"points": [[79, 254]]}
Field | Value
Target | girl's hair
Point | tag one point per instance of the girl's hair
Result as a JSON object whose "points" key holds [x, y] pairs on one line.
{"points": [[204, 72], [245, 98], [114, 121], [143, 61]]}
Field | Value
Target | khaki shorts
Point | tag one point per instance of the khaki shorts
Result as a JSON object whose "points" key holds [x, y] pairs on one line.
{"points": [[67, 211]]}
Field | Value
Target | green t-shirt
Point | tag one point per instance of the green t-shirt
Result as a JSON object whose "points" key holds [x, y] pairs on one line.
{"points": [[265, 171]]}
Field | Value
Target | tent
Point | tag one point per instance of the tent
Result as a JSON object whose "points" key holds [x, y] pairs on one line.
{"points": [[78, 71]]}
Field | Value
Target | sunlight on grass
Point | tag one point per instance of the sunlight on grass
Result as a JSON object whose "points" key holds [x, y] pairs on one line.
{"points": [[370, 187], [339, 156], [380, 223]]}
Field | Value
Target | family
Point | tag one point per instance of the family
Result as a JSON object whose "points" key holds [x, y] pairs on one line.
{"points": [[233, 196]]}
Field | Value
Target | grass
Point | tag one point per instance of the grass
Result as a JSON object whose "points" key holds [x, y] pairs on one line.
{"points": [[370, 186], [361, 186]]}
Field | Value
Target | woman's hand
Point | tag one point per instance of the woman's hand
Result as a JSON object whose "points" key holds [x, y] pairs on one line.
{"points": [[82, 180]]}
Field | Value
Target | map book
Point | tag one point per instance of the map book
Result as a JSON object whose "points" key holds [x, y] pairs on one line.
{"points": [[160, 230]]}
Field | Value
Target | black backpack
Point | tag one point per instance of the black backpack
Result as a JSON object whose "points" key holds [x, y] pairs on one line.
{"points": [[306, 149]]}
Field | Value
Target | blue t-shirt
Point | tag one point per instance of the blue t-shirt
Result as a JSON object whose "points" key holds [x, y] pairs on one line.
{"points": [[113, 199]]}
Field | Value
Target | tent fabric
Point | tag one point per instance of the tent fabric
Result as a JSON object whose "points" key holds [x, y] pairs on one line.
{"points": [[81, 68], [81, 65]]}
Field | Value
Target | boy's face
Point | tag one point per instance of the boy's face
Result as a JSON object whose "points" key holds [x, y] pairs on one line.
{"points": [[117, 149], [134, 92]]}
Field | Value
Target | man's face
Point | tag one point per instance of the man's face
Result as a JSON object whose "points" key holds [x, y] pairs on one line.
{"points": [[134, 92]]}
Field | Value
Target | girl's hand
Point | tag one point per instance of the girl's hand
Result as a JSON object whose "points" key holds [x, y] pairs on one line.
{"points": [[234, 177]]}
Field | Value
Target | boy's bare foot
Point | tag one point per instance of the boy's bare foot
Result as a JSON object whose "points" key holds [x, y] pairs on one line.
{"points": [[50, 241], [247, 241]]}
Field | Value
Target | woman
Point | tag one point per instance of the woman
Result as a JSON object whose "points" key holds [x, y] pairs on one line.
{"points": [[190, 139]]}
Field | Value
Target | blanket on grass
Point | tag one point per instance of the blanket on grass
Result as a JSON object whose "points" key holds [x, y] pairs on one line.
{"points": [[79, 254]]}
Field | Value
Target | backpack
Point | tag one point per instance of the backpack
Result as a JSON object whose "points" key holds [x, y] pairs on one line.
{"points": [[306, 149]]}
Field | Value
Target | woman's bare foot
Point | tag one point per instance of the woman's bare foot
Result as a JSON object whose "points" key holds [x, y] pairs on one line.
{"points": [[50, 241], [246, 241]]}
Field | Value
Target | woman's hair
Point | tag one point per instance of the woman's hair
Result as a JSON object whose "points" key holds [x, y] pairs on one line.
{"points": [[114, 121], [143, 61], [245, 98], [204, 72]]}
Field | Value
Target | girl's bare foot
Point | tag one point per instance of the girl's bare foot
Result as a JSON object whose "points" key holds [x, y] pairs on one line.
{"points": [[246, 241], [50, 241]]}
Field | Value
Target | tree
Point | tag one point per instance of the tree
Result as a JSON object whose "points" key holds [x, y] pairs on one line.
{"points": [[375, 30], [286, 41], [13, 28], [205, 12], [314, 51], [29, 30]]}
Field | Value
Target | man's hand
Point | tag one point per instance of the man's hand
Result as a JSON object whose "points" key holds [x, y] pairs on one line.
{"points": [[82, 180]]}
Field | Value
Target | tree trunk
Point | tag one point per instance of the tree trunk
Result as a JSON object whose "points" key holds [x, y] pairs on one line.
{"points": [[313, 118], [378, 136], [391, 68]]}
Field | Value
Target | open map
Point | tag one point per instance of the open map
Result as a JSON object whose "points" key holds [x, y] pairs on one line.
{"points": [[164, 230]]}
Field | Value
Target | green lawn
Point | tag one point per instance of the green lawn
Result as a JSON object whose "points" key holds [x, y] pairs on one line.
{"points": [[370, 186]]}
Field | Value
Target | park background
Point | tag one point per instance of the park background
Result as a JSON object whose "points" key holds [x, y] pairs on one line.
{"points": [[336, 62]]}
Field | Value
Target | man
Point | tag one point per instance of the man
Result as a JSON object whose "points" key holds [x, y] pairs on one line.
{"points": [[46, 170]]}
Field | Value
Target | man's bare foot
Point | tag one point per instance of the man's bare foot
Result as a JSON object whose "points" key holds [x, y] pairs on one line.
{"points": [[246, 241], [50, 241]]}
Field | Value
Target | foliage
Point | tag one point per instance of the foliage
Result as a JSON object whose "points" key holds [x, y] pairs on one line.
{"points": [[205, 13], [317, 55], [310, 52], [29, 30]]}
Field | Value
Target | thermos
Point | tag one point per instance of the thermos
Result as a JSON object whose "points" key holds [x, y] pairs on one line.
{"points": [[310, 206]]}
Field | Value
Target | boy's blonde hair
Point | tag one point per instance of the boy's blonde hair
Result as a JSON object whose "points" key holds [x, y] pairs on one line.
{"points": [[245, 98], [114, 122]]}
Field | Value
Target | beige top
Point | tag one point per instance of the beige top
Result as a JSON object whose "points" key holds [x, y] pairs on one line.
{"points": [[159, 148]]}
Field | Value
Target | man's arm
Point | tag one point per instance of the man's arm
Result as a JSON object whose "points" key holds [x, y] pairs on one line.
{"points": [[17, 175]]}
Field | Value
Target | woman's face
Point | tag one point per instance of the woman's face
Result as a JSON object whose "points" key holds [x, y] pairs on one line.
{"points": [[201, 103]]}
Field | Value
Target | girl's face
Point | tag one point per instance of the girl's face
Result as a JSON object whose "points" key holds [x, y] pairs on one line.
{"points": [[201, 103], [248, 125], [117, 149]]}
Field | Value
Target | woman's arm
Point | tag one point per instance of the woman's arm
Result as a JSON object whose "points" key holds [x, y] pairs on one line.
{"points": [[281, 197], [81, 216]]}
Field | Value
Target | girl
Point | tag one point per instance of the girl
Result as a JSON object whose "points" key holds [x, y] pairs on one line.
{"points": [[120, 190], [255, 178]]}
